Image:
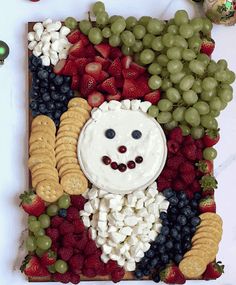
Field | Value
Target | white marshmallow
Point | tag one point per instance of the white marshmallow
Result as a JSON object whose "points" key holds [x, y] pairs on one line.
{"points": [[102, 216], [104, 257], [135, 104], [62, 55], [47, 22], [38, 35], [86, 221], [39, 47], [131, 221], [88, 208], [93, 193], [114, 105], [117, 237], [157, 227], [125, 104], [106, 248], [55, 26], [130, 266], [111, 229], [64, 31], [31, 36], [38, 27], [54, 36], [95, 204], [84, 213], [144, 106], [121, 262], [100, 240], [93, 233], [32, 45], [45, 60], [152, 235], [164, 206], [126, 231]]}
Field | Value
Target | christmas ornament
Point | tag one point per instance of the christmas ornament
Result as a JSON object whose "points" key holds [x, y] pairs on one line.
{"points": [[4, 51]]}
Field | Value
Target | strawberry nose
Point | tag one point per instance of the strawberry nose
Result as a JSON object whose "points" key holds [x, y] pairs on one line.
{"points": [[122, 149]]}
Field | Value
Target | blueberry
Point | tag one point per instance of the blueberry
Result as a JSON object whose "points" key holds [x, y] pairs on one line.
{"points": [[46, 97], [173, 200], [62, 213], [197, 196], [178, 237], [172, 217], [64, 88], [35, 81], [35, 113], [55, 96], [52, 75], [160, 239], [42, 108], [156, 278], [146, 272], [194, 204], [182, 220], [174, 233], [63, 109], [163, 216], [154, 262], [57, 122], [52, 87], [178, 258], [165, 223], [36, 61], [62, 98], [150, 253], [43, 90], [70, 94], [58, 80], [57, 114], [178, 228], [168, 192], [187, 211], [169, 245], [138, 274], [165, 230], [177, 247], [193, 229], [34, 94], [195, 221], [48, 68], [165, 258], [173, 210], [58, 105], [67, 79], [186, 245], [110, 133], [50, 106], [186, 230], [136, 134], [33, 105], [44, 84], [161, 249], [42, 74], [182, 195], [181, 204], [36, 88]]}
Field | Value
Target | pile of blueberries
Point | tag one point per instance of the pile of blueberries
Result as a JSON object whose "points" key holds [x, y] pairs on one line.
{"points": [[50, 93], [178, 226]]}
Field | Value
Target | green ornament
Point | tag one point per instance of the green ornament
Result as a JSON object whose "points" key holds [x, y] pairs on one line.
{"points": [[4, 51]]}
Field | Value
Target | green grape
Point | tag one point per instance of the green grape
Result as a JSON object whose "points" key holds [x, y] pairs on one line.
{"points": [[197, 67], [153, 111], [174, 66], [164, 72], [212, 67], [225, 94], [178, 114], [98, 7], [173, 95], [137, 59], [95, 36], [168, 40], [174, 53], [147, 40], [176, 78], [44, 242], [226, 86], [192, 117], [166, 84], [128, 38], [180, 42], [208, 95], [164, 117], [114, 40], [181, 17], [144, 20], [222, 64], [197, 86], [30, 243], [188, 54], [64, 202], [197, 24], [186, 31], [126, 50], [51, 269], [155, 26], [204, 58], [221, 76], [215, 104], [186, 83], [165, 105], [173, 29], [39, 233], [137, 46], [209, 83], [209, 153], [139, 32], [106, 32], [85, 26], [190, 97], [61, 266], [170, 126], [154, 68], [230, 77], [118, 26], [157, 44], [197, 132], [194, 43], [209, 122], [71, 23], [131, 22], [207, 26], [214, 113], [34, 226], [223, 105], [154, 82], [40, 252], [102, 19], [113, 18], [147, 56], [32, 218], [44, 221], [186, 68], [185, 130], [202, 107], [52, 210]]}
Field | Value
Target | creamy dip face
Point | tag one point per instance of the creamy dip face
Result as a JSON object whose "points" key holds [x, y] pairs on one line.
{"points": [[122, 150]]}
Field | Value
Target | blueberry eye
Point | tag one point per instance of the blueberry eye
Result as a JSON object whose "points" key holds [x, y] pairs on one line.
{"points": [[136, 134], [110, 133]]}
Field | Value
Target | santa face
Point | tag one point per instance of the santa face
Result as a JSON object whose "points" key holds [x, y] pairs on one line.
{"points": [[122, 150]]}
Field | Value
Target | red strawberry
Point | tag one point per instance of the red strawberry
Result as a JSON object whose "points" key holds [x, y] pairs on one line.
{"points": [[211, 138], [84, 39], [131, 90], [95, 99], [87, 85], [79, 226], [104, 62], [213, 271], [72, 214], [186, 167], [80, 64], [142, 83], [114, 53], [207, 204], [153, 97], [117, 275], [70, 68], [173, 146], [32, 203], [90, 51], [93, 69], [188, 178], [78, 201], [140, 69], [130, 73], [56, 221], [109, 86], [208, 181], [199, 143], [32, 267], [75, 278], [104, 49], [126, 61], [172, 275], [207, 46], [205, 166], [103, 76], [74, 37], [75, 82], [189, 151], [119, 82], [199, 154], [176, 134], [115, 68], [65, 253], [77, 50], [116, 97], [178, 185], [63, 278], [76, 263], [208, 192], [175, 161], [59, 67], [66, 228], [48, 258]]}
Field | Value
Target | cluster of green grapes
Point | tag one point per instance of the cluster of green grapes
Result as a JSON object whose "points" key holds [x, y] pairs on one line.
{"points": [[194, 88]]}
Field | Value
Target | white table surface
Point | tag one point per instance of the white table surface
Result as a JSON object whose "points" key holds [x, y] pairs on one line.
{"points": [[14, 15]]}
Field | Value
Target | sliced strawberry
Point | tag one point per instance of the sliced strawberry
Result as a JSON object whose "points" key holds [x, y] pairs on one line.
{"points": [[90, 51], [75, 82], [95, 99], [71, 57], [109, 86], [153, 97], [59, 67], [116, 97], [131, 89], [74, 37], [84, 39], [115, 68], [130, 73], [119, 82], [70, 68], [140, 69], [77, 50], [142, 83], [104, 49], [87, 85], [103, 76], [93, 69], [80, 64], [126, 61], [115, 52], [104, 62]]}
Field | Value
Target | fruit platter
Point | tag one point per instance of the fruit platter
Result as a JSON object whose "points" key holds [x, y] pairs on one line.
{"points": [[122, 134]]}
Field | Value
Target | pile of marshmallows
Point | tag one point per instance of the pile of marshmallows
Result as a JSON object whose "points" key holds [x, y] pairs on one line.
{"points": [[124, 225], [49, 42]]}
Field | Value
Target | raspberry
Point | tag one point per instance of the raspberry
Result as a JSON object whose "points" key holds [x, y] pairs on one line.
{"points": [[92, 261], [72, 214], [189, 193], [189, 151], [69, 240], [186, 167], [63, 278], [178, 185], [188, 178], [89, 272], [102, 271], [175, 161], [199, 155], [53, 234], [75, 278], [112, 266], [168, 173], [162, 184], [79, 226], [188, 140], [78, 201], [196, 187], [66, 228], [76, 263], [117, 275], [173, 146], [82, 241], [199, 143], [65, 253], [177, 135], [55, 246], [90, 248], [56, 221]]}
